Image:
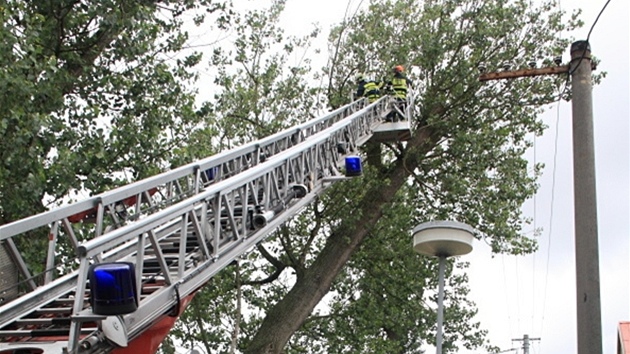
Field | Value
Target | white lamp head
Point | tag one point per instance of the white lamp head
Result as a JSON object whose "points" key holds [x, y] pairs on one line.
{"points": [[443, 238]]}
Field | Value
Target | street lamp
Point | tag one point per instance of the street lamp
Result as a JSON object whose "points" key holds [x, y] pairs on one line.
{"points": [[442, 239]]}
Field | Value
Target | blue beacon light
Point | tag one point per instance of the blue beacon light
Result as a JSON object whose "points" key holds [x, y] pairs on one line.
{"points": [[353, 166], [113, 288]]}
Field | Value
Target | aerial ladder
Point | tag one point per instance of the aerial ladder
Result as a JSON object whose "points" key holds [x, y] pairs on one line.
{"points": [[122, 266]]}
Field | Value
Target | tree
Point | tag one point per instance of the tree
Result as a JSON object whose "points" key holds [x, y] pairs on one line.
{"points": [[257, 91], [464, 162], [92, 102], [90, 98]]}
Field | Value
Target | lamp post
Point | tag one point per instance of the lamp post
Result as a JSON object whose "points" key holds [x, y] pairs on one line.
{"points": [[442, 239]]}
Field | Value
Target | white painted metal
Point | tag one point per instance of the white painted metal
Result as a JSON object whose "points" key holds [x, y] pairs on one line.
{"points": [[443, 238], [400, 130], [115, 330]]}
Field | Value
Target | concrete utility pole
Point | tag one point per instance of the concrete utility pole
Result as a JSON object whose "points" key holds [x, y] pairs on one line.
{"points": [[589, 327], [525, 341], [586, 244]]}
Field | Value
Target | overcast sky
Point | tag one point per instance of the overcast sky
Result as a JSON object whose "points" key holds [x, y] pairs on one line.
{"points": [[535, 295]]}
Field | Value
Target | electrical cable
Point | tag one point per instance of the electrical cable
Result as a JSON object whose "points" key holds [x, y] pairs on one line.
{"points": [[533, 313], [534, 253], [518, 296], [553, 189], [597, 19], [507, 302], [588, 38]]}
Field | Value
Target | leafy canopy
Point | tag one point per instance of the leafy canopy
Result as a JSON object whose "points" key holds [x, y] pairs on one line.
{"points": [[91, 97], [95, 96], [466, 164]]}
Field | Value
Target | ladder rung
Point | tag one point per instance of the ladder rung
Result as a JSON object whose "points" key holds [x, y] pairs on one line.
{"points": [[171, 250], [151, 289], [54, 310], [43, 321], [42, 332], [70, 301]]}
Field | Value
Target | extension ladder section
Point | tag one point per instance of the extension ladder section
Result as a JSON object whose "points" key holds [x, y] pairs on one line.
{"points": [[177, 241], [118, 207]]}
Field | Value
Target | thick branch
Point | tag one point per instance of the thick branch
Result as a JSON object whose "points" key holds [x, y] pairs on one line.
{"points": [[274, 261]]}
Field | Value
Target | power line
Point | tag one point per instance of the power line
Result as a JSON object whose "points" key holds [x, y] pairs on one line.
{"points": [[544, 299], [535, 288], [587, 46], [594, 23], [553, 194], [507, 299], [535, 232], [518, 295]]}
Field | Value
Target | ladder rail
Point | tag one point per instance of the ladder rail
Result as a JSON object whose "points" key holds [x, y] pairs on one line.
{"points": [[37, 298], [219, 218], [321, 148], [135, 201], [268, 146], [96, 246]]}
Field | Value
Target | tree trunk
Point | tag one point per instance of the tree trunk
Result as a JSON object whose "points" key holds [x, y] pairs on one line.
{"points": [[288, 314]]}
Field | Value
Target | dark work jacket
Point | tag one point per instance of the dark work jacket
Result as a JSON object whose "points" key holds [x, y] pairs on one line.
{"points": [[360, 89]]}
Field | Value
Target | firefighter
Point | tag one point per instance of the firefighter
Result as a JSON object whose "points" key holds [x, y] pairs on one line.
{"points": [[371, 90], [367, 88], [360, 86], [398, 84]]}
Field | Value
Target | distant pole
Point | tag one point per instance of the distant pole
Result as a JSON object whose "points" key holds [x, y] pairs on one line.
{"points": [[525, 341], [589, 328]]}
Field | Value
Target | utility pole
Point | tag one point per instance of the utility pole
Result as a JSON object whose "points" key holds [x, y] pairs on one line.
{"points": [[589, 328], [525, 341], [586, 244]]}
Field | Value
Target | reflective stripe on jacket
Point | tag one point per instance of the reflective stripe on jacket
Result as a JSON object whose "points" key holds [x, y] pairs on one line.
{"points": [[371, 91], [399, 85]]}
